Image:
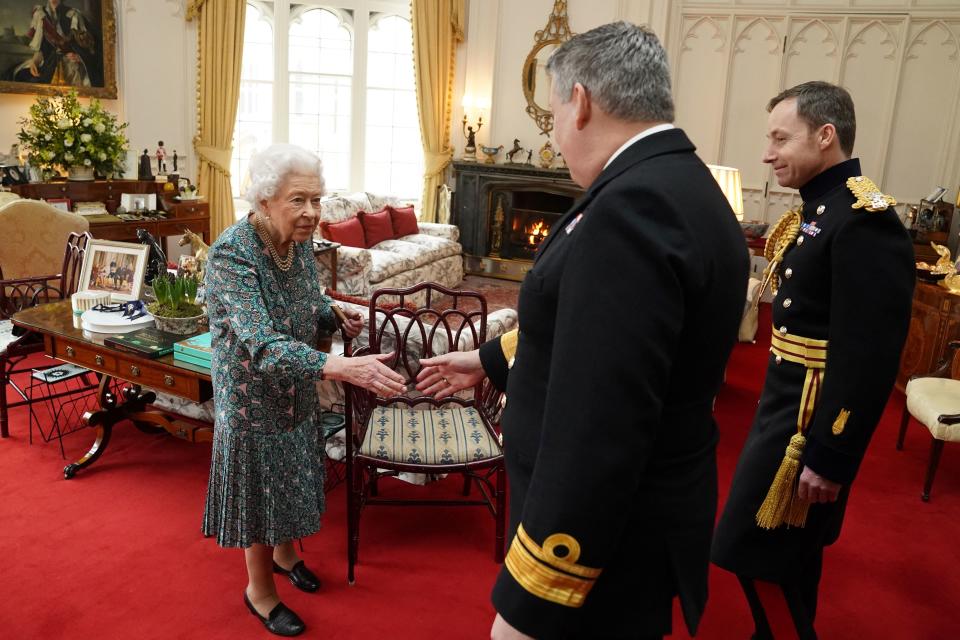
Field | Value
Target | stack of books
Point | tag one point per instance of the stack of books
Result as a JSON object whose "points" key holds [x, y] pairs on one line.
{"points": [[194, 351]]}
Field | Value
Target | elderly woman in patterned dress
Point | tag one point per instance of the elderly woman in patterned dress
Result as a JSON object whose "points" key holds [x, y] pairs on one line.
{"points": [[266, 308]]}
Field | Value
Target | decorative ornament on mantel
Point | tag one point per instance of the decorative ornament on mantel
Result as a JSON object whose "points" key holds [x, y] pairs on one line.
{"points": [[80, 140]]}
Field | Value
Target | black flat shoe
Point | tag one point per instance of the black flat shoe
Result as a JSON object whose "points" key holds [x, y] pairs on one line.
{"points": [[281, 621], [301, 577]]}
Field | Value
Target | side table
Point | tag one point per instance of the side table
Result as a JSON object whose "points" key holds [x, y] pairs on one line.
{"points": [[327, 250]]}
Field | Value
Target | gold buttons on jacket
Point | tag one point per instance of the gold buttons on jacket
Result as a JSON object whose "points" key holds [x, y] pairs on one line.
{"points": [[788, 273], [821, 209], [800, 240], [778, 359], [783, 330], [787, 302]]}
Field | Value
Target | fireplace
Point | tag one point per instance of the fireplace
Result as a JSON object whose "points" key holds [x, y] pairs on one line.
{"points": [[505, 212]]}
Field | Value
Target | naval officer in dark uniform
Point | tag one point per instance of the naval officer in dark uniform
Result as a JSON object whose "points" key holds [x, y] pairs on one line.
{"points": [[841, 268], [626, 322]]}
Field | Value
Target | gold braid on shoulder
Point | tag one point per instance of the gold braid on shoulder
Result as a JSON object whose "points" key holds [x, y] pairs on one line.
{"points": [[782, 237]]}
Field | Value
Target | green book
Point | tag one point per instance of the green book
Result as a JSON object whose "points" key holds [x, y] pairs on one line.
{"points": [[149, 342], [188, 359], [197, 346]]}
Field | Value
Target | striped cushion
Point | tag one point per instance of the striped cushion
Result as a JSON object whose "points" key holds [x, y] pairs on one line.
{"points": [[421, 436]]}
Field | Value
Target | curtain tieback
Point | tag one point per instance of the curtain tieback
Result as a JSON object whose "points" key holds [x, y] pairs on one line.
{"points": [[435, 162], [217, 157]]}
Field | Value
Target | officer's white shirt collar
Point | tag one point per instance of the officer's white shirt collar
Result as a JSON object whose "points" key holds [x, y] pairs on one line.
{"points": [[657, 128]]}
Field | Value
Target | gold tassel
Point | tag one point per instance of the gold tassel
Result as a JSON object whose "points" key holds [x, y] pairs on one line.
{"points": [[797, 513], [780, 496]]}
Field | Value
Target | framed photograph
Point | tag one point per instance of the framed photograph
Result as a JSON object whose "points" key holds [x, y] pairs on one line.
{"points": [[138, 201], [60, 203], [36, 58], [116, 268]]}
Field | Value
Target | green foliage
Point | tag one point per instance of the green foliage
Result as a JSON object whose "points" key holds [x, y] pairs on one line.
{"points": [[176, 297], [60, 133]]}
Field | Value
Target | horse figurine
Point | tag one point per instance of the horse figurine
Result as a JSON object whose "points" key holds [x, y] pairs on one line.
{"points": [[157, 260], [200, 248]]}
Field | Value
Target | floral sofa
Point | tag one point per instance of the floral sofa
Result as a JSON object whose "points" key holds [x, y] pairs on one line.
{"points": [[432, 255]]}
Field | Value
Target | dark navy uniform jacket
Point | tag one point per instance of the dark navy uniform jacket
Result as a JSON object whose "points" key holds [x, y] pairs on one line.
{"points": [[848, 279], [626, 322]]}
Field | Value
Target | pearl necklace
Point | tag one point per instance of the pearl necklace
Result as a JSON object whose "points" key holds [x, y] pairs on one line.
{"points": [[283, 264]]}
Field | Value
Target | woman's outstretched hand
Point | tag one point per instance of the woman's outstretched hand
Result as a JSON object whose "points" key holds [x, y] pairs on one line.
{"points": [[368, 372], [445, 375]]}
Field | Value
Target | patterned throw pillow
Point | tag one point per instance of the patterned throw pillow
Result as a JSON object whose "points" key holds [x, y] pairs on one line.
{"points": [[349, 233], [377, 227], [404, 221]]}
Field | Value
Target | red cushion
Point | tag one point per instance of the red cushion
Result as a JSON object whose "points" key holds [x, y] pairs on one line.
{"points": [[349, 233], [376, 226], [404, 221]]}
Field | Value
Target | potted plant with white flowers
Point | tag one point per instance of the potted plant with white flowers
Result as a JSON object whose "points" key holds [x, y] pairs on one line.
{"points": [[83, 141]]}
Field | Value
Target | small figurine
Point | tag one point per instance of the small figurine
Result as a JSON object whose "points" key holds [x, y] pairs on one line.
{"points": [[516, 149], [200, 248], [470, 149], [144, 171], [491, 153], [529, 157], [157, 261], [174, 160], [161, 158]]}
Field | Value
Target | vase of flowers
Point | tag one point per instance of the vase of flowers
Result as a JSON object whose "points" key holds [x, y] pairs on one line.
{"points": [[80, 140]]}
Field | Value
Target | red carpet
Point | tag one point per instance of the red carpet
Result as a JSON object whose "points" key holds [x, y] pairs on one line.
{"points": [[117, 552]]}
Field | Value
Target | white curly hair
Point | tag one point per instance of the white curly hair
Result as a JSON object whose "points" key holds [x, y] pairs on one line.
{"points": [[270, 167]]}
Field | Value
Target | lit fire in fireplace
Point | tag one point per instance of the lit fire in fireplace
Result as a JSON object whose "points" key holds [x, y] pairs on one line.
{"points": [[537, 232]]}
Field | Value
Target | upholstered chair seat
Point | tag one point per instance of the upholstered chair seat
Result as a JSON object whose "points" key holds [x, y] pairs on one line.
{"points": [[453, 435]]}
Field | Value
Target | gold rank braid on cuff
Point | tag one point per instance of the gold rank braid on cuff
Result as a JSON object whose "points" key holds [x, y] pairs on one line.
{"points": [[781, 238], [283, 264]]}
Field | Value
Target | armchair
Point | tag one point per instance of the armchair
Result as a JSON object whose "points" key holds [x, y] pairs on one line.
{"points": [[934, 400], [413, 433]]}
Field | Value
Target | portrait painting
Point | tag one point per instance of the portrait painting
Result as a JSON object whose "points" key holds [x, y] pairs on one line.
{"points": [[47, 46], [116, 268]]}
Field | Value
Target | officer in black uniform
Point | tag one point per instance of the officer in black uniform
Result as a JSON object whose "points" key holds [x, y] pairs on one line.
{"points": [[626, 322], [842, 273]]}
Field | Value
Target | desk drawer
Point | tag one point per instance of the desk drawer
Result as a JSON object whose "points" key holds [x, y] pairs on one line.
{"points": [[137, 373], [85, 355]]}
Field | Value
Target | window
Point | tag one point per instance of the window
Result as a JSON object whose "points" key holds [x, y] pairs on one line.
{"points": [[254, 127], [341, 83]]}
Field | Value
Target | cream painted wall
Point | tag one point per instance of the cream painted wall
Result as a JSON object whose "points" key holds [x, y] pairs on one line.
{"points": [[898, 57], [156, 78]]}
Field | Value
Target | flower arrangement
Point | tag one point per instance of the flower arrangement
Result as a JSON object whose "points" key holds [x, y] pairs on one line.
{"points": [[62, 133], [176, 297]]}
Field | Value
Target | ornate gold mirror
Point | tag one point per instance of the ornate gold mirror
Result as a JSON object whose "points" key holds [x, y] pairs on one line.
{"points": [[536, 82]]}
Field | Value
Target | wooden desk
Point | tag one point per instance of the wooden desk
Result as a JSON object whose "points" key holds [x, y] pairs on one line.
{"points": [[934, 321], [193, 214], [65, 340]]}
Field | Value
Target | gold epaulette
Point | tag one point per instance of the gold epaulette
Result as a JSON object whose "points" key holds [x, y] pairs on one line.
{"points": [[868, 195], [550, 571], [508, 344]]}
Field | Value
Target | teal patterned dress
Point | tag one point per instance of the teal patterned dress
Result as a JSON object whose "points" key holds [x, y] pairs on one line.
{"points": [[266, 473]]}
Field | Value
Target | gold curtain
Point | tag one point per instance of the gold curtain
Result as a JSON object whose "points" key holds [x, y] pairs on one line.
{"points": [[437, 28], [219, 54]]}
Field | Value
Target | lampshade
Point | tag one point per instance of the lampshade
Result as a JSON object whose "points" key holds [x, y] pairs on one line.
{"points": [[729, 180]]}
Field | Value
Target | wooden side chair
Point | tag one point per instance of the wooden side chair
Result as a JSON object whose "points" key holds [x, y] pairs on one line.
{"points": [[25, 292], [416, 434], [934, 401]]}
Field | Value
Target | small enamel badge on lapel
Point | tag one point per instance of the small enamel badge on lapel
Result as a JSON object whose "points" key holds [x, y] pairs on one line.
{"points": [[573, 223], [810, 229]]}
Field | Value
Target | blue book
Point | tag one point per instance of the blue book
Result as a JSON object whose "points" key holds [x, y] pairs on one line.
{"points": [[197, 346], [188, 359]]}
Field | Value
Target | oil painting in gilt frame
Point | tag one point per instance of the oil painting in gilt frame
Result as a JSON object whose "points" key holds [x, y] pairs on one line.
{"points": [[47, 46]]}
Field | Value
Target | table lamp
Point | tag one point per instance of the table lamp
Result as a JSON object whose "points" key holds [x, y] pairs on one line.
{"points": [[729, 180]]}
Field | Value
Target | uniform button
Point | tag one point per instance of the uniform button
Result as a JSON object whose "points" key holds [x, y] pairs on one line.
{"points": [[783, 330], [787, 302], [788, 273], [800, 240], [821, 209], [778, 359]]}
